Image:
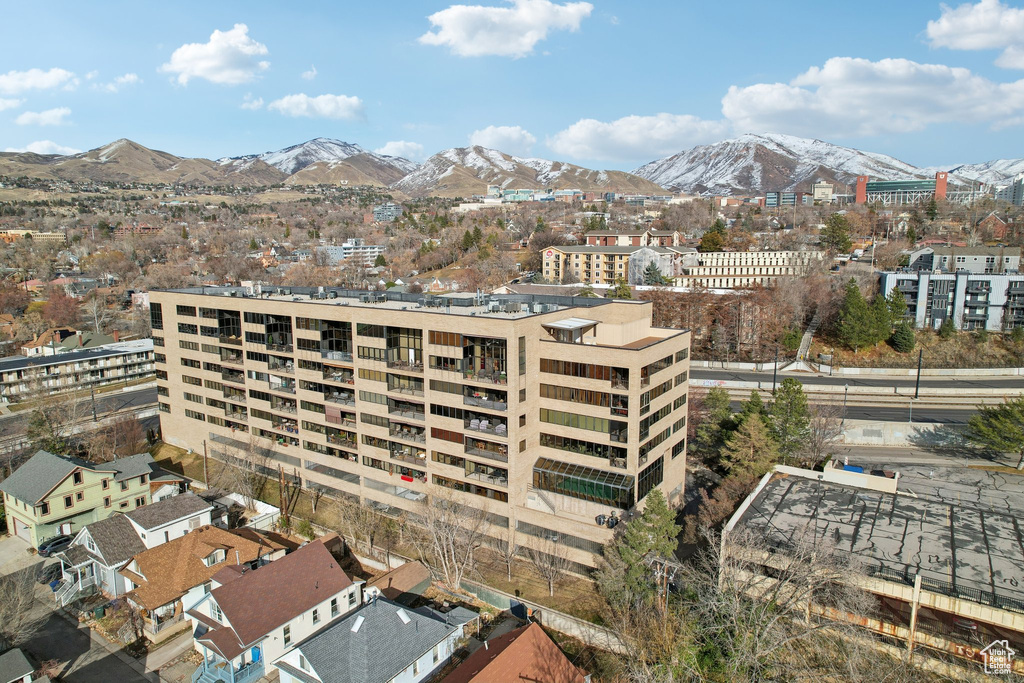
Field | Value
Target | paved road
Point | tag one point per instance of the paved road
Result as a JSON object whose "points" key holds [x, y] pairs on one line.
{"points": [[15, 423], [967, 383], [901, 413]]}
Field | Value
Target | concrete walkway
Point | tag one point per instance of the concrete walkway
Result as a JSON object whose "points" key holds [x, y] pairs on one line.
{"points": [[169, 651]]}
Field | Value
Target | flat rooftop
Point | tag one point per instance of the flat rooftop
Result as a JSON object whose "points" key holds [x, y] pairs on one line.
{"points": [[502, 306], [957, 527]]}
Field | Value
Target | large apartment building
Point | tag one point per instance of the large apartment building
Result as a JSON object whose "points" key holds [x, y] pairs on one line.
{"points": [[740, 269], [552, 414]]}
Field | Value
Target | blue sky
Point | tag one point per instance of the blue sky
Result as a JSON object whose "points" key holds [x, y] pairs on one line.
{"points": [[605, 83]]}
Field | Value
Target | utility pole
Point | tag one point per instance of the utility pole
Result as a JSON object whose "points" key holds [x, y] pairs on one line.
{"points": [[775, 370], [917, 385], [206, 470], [846, 394], [92, 393]]}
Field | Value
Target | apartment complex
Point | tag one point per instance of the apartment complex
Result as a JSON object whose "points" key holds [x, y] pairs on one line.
{"points": [[552, 414], [739, 269], [973, 301], [937, 549], [22, 376], [602, 265], [979, 260], [354, 251]]}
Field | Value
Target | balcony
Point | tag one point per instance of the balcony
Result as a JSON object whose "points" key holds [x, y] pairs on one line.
{"points": [[239, 415], [281, 365], [488, 475], [345, 398], [340, 438], [406, 409], [405, 366], [232, 339], [282, 406], [409, 454], [339, 375], [222, 672], [343, 356], [409, 433], [341, 420], [231, 358], [235, 376], [486, 449], [485, 376], [487, 425], [482, 399]]}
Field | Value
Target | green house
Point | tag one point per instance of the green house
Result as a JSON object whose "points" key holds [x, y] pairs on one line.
{"points": [[53, 494]]}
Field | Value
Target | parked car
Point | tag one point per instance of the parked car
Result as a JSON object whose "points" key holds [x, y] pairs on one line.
{"points": [[52, 546]]}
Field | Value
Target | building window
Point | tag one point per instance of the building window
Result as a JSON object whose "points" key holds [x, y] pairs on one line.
{"points": [[76, 478], [334, 607], [416, 668], [316, 616], [44, 508], [106, 484], [207, 587], [216, 612], [142, 478], [106, 502], [68, 502], [437, 653], [139, 502], [124, 486], [123, 505], [287, 635], [79, 496], [303, 664], [352, 599], [156, 316], [522, 355]]}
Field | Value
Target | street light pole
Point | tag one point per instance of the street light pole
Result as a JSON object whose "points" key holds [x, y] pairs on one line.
{"points": [[846, 395], [917, 385], [92, 393]]}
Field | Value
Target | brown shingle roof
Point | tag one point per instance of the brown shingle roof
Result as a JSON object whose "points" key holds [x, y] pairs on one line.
{"points": [[526, 654], [262, 600], [411, 577], [171, 569]]}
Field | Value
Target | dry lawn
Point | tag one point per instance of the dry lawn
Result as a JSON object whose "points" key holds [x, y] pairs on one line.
{"points": [[963, 350]]}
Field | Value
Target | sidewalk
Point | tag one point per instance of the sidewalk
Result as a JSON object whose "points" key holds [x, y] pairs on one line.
{"points": [[169, 651]]}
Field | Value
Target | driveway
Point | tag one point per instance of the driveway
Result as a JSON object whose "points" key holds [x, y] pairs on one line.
{"points": [[15, 555]]}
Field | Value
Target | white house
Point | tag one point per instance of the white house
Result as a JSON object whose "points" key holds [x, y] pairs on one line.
{"points": [[381, 642], [251, 617]]}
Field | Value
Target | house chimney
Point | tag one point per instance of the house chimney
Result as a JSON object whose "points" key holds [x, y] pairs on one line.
{"points": [[117, 336], [81, 342], [237, 560]]}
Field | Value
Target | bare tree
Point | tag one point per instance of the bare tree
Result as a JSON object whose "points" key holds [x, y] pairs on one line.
{"points": [[96, 312], [248, 471], [19, 616], [508, 548], [53, 419], [550, 562], [825, 428], [454, 532]]}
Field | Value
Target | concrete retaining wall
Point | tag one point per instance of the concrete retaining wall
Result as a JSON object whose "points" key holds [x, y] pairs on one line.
{"points": [[894, 372]]}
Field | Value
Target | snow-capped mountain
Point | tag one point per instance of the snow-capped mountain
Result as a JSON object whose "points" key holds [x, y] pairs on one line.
{"points": [[759, 163], [996, 172], [297, 157], [464, 171]]}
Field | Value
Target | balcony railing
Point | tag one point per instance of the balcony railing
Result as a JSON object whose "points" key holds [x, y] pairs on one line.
{"points": [[343, 356], [487, 450], [485, 376], [236, 376], [341, 398], [233, 359], [486, 478], [339, 376], [487, 427], [234, 340], [408, 434], [406, 366], [484, 401]]}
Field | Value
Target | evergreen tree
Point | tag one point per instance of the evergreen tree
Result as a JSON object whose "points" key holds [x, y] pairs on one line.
{"points": [[947, 329], [379, 261], [652, 274], [478, 236], [751, 449], [911, 235], [541, 225], [621, 290], [933, 209], [752, 406], [253, 246], [881, 319], [717, 420], [856, 326], [897, 305], [903, 338], [467, 241], [790, 418], [628, 580], [287, 231], [711, 241], [1000, 427], [184, 232], [835, 236]]}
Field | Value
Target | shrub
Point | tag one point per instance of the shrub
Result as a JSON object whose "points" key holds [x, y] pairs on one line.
{"points": [[946, 330], [903, 339], [304, 528]]}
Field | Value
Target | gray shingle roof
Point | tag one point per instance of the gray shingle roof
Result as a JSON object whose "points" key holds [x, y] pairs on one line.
{"points": [[168, 510], [116, 540], [14, 666], [383, 646], [39, 475], [132, 466]]}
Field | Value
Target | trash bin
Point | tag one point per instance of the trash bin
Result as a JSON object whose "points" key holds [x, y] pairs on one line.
{"points": [[97, 612]]}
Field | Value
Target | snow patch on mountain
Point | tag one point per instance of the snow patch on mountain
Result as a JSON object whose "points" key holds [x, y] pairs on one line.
{"points": [[297, 157]]}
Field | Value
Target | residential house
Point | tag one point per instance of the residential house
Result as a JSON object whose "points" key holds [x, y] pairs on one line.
{"points": [[103, 548], [380, 642], [163, 579], [15, 667], [53, 494], [993, 227], [525, 654], [403, 584], [251, 617]]}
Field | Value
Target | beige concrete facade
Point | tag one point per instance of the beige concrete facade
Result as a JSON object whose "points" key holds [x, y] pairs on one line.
{"points": [[738, 269], [546, 412]]}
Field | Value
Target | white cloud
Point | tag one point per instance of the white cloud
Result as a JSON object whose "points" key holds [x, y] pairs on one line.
{"points": [[309, 75], [251, 103], [9, 104], [987, 25], [509, 139], [401, 148], [44, 147], [50, 117], [635, 137], [118, 83], [321, 106], [91, 75], [857, 97], [229, 58], [17, 82], [475, 30]]}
